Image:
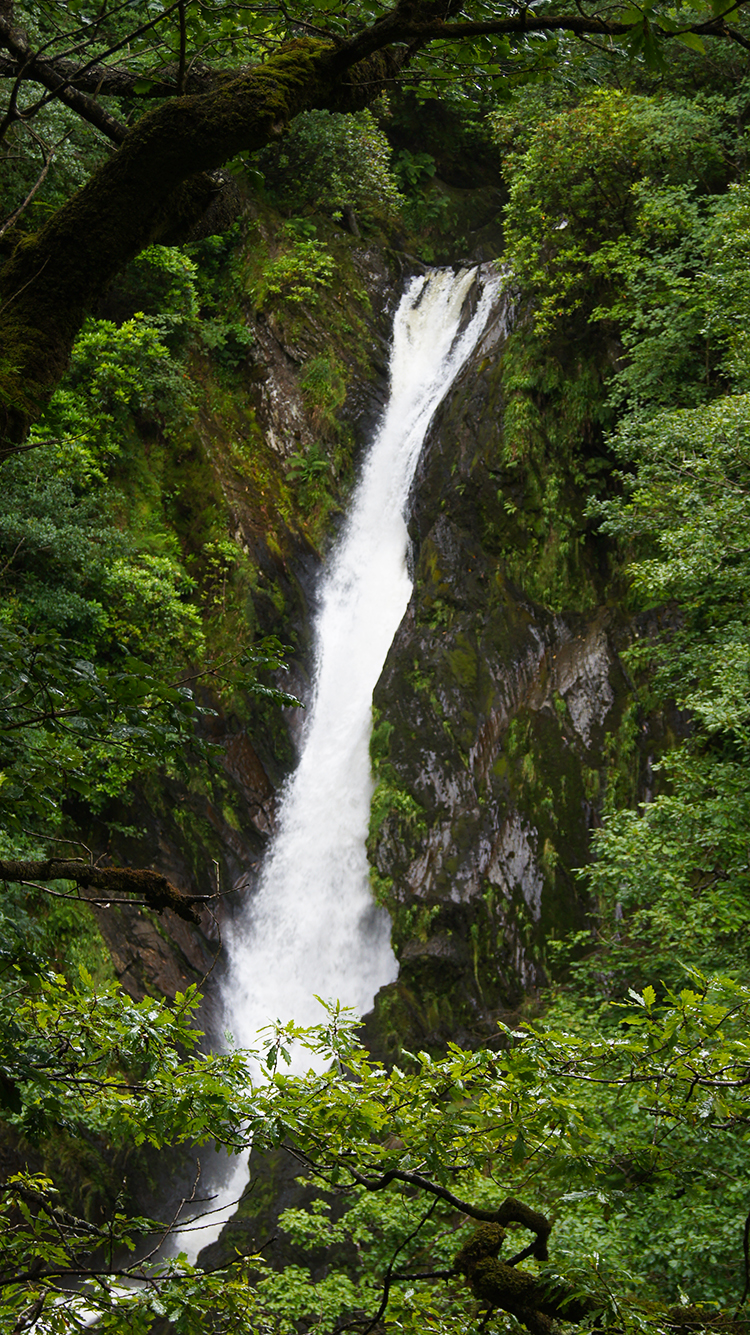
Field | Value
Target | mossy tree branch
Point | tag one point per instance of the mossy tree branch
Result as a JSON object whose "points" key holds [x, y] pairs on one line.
{"points": [[153, 189], [150, 886], [535, 1301]]}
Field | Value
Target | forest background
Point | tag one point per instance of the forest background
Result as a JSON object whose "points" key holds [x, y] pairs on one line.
{"points": [[616, 1105]]}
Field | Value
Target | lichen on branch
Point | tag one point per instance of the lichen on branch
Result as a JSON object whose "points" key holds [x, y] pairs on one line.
{"points": [[535, 1301]]}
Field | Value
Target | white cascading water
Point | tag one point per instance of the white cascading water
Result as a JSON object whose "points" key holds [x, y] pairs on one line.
{"points": [[312, 927]]}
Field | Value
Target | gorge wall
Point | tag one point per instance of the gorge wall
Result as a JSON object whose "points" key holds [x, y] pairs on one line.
{"points": [[497, 728], [497, 713], [495, 719]]}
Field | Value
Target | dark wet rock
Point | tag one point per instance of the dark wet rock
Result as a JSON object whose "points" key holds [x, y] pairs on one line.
{"points": [[495, 719]]}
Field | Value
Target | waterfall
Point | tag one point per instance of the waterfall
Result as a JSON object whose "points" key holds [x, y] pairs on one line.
{"points": [[312, 927]]}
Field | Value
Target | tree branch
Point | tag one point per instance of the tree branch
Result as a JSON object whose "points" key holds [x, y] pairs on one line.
{"points": [[535, 1302], [116, 81], [149, 886], [422, 23], [162, 179], [29, 65], [47, 156], [511, 1211]]}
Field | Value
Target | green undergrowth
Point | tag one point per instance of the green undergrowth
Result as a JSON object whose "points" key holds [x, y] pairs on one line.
{"points": [[157, 524]]}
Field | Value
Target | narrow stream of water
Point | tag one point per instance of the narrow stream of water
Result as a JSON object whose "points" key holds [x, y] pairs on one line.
{"points": [[313, 928]]}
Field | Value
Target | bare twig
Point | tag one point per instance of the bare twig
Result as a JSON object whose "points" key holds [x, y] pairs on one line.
{"points": [[183, 48], [47, 156]]}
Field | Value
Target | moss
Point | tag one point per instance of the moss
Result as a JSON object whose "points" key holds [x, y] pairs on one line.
{"points": [[382, 729], [462, 662], [493, 1281], [391, 800], [382, 889]]}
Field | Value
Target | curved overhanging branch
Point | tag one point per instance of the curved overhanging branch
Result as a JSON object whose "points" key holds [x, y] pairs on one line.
{"points": [[412, 22], [512, 1211], [408, 23], [153, 189]]}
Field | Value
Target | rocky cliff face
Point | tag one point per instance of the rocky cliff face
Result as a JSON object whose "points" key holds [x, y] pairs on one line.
{"points": [[236, 461], [493, 736]]}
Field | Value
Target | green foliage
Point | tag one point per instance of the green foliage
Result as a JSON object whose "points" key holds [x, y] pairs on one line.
{"points": [[323, 385], [677, 868], [70, 726], [578, 185], [728, 286], [87, 615], [629, 1133], [671, 877], [681, 297], [548, 461], [228, 341], [307, 468], [117, 373], [330, 163], [390, 801], [296, 275], [72, 941], [659, 307], [68, 566], [414, 168], [101, 631], [611, 228], [162, 283]]}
